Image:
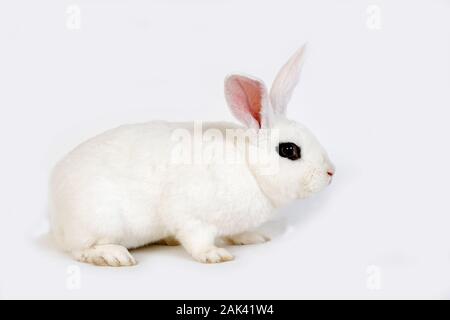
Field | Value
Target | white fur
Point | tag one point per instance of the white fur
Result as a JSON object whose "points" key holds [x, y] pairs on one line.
{"points": [[120, 191], [286, 80]]}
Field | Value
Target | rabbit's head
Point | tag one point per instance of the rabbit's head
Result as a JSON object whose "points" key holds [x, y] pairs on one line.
{"points": [[303, 166]]}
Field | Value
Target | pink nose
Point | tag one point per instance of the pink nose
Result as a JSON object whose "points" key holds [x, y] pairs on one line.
{"points": [[330, 173]]}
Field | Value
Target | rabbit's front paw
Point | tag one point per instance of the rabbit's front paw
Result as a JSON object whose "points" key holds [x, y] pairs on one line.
{"points": [[214, 255], [247, 238]]}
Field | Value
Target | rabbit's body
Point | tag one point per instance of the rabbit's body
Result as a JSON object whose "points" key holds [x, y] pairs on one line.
{"points": [[122, 188], [134, 185]]}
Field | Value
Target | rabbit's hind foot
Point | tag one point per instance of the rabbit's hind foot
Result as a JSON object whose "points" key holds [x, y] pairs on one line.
{"points": [[106, 255]]}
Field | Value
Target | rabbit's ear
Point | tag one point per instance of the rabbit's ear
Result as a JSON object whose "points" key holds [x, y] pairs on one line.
{"points": [[285, 81], [248, 101]]}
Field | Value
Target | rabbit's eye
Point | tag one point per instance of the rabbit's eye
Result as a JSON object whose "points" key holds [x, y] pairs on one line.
{"points": [[289, 150]]}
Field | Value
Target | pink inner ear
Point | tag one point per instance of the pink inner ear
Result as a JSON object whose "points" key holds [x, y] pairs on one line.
{"points": [[249, 97]]}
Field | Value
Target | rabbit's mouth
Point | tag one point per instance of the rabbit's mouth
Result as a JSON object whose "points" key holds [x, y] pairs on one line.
{"points": [[315, 181]]}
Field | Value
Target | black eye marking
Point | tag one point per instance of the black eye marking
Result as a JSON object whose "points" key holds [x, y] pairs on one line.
{"points": [[289, 150]]}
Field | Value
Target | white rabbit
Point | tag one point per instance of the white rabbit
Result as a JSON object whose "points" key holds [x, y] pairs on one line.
{"points": [[122, 189]]}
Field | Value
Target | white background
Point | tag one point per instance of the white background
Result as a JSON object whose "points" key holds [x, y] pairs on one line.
{"points": [[377, 98]]}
